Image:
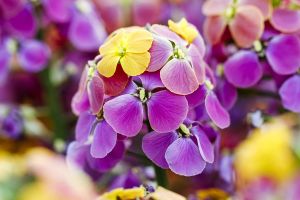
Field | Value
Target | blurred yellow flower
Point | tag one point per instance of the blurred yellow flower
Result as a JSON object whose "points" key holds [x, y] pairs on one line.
{"points": [[129, 47], [212, 193], [266, 153], [38, 191], [187, 31], [124, 194]]}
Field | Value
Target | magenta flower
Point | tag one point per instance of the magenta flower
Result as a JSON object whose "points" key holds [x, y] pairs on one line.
{"points": [[181, 66], [185, 151], [145, 98], [290, 93]]}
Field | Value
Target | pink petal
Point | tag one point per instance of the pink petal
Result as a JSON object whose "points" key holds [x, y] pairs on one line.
{"points": [[265, 6], [206, 148], [95, 90], [179, 77], [284, 20], [197, 63], [214, 28], [215, 7]]}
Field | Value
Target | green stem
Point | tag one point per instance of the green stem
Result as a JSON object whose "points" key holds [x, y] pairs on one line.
{"points": [[161, 176], [56, 113]]}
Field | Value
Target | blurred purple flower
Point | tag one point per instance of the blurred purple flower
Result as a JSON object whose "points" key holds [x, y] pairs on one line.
{"points": [[12, 124]]}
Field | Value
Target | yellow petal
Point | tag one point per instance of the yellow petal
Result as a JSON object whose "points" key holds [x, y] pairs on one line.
{"points": [[135, 64], [108, 65], [139, 40], [112, 44], [184, 29]]}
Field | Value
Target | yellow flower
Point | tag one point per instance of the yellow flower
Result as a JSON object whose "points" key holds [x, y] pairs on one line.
{"points": [[266, 153], [129, 47], [187, 31], [212, 193], [124, 194]]}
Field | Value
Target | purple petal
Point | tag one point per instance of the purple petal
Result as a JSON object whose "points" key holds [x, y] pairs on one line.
{"points": [[227, 93], [86, 32], [184, 158], [283, 54], [95, 90], [285, 20], [179, 77], [34, 55], [160, 51], [108, 162], [290, 93], [84, 126], [151, 81], [216, 111], [199, 43], [80, 102], [166, 111], [5, 58], [124, 114], [197, 98], [77, 154], [165, 32], [197, 63], [206, 148], [105, 139], [17, 26], [11, 7], [58, 11], [155, 145], [243, 69]]}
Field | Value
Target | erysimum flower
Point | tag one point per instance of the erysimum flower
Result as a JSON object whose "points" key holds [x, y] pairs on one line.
{"points": [[184, 29], [185, 151], [145, 98], [181, 64], [129, 47]]}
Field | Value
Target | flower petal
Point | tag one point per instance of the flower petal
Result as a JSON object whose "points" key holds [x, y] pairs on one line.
{"points": [[167, 33], [151, 81], [160, 52], [183, 157], [166, 111], [105, 139], [247, 26], [216, 111], [206, 148], [285, 20], [243, 69], [124, 114], [179, 77], [265, 6], [117, 83], [108, 64], [108, 162], [283, 54], [112, 43], [76, 154], [215, 7], [197, 63], [84, 126], [290, 94], [155, 145], [197, 98], [226, 93], [135, 64], [95, 90], [213, 28], [139, 41]]}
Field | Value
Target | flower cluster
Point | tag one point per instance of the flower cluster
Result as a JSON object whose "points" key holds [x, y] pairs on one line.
{"points": [[152, 81]]}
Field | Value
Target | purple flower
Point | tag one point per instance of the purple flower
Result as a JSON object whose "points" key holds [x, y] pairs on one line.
{"points": [[290, 93], [185, 151], [5, 58], [182, 67], [12, 124], [145, 98], [33, 55], [58, 11]]}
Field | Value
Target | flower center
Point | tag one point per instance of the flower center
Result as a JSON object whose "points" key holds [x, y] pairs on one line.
{"points": [[143, 95], [184, 131], [208, 84], [121, 51], [230, 11], [178, 53]]}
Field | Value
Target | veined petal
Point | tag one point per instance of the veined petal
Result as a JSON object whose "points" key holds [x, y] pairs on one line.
{"points": [[155, 146], [135, 64], [184, 158], [160, 52], [166, 111], [205, 146], [214, 28], [139, 41], [124, 114], [112, 44], [108, 64], [179, 77], [105, 139], [95, 90], [247, 25], [216, 111]]}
